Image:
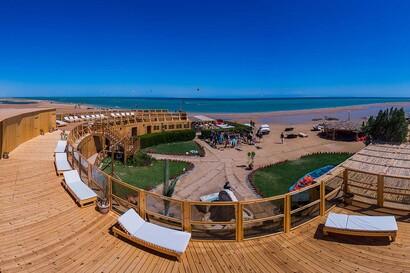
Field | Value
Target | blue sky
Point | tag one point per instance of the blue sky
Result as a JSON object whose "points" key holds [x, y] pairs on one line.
{"points": [[224, 48]]}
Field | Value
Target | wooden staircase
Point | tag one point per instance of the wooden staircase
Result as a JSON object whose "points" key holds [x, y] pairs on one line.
{"points": [[130, 145]]}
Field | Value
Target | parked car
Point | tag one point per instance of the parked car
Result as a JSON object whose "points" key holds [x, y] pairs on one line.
{"points": [[264, 129]]}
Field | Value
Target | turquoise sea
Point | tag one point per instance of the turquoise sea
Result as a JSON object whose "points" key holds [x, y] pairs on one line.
{"points": [[221, 105]]}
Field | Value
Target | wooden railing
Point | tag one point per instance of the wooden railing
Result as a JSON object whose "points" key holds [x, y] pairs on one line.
{"points": [[216, 221], [134, 116], [383, 190]]}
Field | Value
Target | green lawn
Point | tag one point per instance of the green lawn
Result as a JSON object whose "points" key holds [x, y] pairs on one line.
{"points": [[174, 148], [146, 177], [277, 179]]}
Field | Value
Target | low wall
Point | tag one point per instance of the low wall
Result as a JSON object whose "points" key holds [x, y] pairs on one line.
{"points": [[24, 126]]}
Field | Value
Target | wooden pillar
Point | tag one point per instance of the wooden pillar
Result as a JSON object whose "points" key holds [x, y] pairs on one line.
{"points": [[89, 173], [112, 160], [141, 203], [322, 198], [380, 190], [186, 216], [345, 181], [109, 180], [286, 211], [239, 221], [125, 152]]}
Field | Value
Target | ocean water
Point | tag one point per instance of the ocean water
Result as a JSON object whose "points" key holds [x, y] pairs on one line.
{"points": [[221, 105]]}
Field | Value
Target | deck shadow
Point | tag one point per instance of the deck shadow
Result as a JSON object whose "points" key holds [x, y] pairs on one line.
{"points": [[350, 240]]}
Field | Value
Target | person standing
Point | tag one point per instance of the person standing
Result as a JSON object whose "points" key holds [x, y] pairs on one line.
{"points": [[282, 138]]}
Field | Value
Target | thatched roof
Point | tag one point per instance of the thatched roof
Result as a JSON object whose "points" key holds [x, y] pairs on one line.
{"points": [[354, 126], [384, 159]]}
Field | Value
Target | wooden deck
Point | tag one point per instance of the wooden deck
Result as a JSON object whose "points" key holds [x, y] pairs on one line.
{"points": [[42, 230]]}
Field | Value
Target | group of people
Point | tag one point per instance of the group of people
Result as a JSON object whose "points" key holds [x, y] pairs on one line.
{"points": [[224, 138]]}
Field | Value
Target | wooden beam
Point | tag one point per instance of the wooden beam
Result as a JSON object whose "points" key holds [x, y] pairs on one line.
{"points": [[380, 190], [141, 203], [239, 221], [322, 198], [286, 211], [345, 181], [186, 216]]}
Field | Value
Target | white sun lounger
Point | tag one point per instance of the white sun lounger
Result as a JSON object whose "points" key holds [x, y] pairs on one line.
{"points": [[93, 116], [60, 123], [83, 195], [60, 147], [134, 228], [61, 163], [77, 118], [67, 119], [361, 225], [87, 116]]}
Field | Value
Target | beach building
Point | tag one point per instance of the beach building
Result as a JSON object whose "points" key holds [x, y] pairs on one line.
{"points": [[342, 130]]}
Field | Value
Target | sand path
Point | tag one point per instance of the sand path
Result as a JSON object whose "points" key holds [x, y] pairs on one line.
{"points": [[218, 166]]}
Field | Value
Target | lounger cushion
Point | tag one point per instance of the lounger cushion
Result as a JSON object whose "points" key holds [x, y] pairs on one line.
{"points": [[60, 147], [62, 162], [174, 240], [81, 191], [372, 223], [167, 238], [130, 221], [335, 220], [71, 176], [361, 222]]}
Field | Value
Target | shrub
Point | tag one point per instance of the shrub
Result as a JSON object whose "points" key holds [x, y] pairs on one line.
{"points": [[140, 159], [390, 125], [149, 140]]}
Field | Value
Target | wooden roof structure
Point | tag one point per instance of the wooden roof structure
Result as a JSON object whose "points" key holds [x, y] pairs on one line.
{"points": [[385, 159], [353, 126]]}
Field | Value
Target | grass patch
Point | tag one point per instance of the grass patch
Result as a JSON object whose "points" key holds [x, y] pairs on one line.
{"points": [[145, 177], [174, 148], [276, 179]]}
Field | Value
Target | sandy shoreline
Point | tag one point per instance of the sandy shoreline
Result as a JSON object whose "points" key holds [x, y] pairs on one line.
{"points": [[354, 112]]}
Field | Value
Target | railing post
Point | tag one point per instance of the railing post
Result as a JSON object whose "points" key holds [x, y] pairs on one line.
{"points": [[380, 190], [141, 203], [239, 221], [345, 181], [287, 215], [110, 191], [89, 170], [80, 164], [186, 216], [322, 198]]}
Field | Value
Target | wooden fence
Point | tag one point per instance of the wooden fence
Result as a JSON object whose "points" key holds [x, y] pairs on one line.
{"points": [[215, 221]]}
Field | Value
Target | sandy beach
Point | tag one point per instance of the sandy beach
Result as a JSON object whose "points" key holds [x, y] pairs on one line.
{"points": [[293, 117]]}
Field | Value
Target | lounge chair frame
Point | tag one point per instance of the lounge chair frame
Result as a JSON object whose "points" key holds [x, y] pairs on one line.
{"points": [[391, 234], [119, 231], [82, 203]]}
